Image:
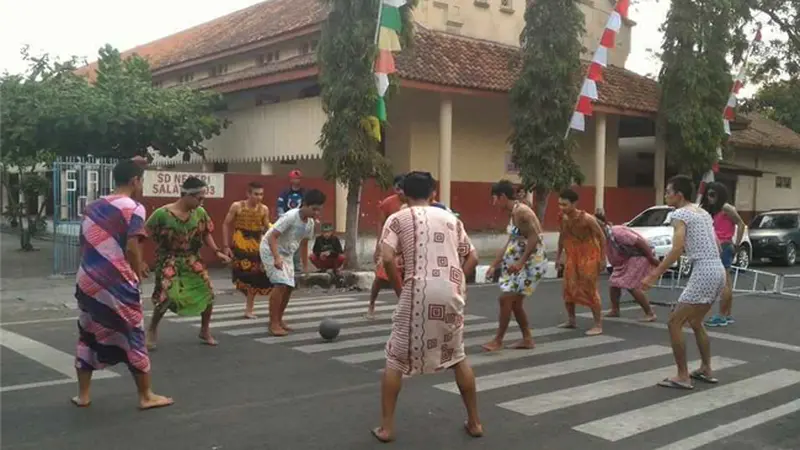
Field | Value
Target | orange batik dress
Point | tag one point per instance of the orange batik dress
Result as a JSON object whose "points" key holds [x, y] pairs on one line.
{"points": [[583, 255]]}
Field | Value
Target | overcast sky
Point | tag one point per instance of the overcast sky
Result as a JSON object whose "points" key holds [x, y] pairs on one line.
{"points": [[81, 27]]}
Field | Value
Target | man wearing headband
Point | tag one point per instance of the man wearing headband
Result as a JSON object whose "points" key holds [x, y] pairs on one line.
{"points": [[179, 230]]}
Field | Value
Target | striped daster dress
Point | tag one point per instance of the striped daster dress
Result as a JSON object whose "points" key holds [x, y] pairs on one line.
{"points": [[111, 321], [428, 323]]}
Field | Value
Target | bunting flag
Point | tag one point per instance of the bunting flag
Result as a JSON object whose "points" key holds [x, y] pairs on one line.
{"points": [[387, 37], [594, 74]]}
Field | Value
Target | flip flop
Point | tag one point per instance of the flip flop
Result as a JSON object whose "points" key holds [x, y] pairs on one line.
{"points": [[469, 432], [666, 382], [376, 432], [698, 375], [75, 402]]}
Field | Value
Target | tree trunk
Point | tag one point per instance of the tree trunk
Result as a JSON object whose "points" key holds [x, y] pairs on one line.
{"points": [[24, 219], [541, 196], [351, 225]]}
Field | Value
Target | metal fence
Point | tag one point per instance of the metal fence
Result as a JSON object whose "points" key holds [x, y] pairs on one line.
{"points": [[744, 281], [77, 181]]}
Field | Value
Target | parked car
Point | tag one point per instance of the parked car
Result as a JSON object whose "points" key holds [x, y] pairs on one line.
{"points": [[776, 235], [654, 225]]}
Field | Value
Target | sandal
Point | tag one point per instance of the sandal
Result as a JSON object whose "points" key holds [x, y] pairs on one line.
{"points": [[377, 433], [699, 375], [668, 383]]}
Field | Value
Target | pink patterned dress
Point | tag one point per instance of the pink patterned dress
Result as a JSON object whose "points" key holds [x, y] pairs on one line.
{"points": [[428, 324], [111, 321], [629, 263]]}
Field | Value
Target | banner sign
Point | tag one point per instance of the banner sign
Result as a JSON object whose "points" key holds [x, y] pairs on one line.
{"points": [[159, 183]]}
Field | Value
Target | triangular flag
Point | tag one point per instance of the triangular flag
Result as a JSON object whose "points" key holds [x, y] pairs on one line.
{"points": [[589, 89], [727, 126], [622, 7], [388, 40], [578, 122], [758, 35], [732, 101], [601, 56], [384, 63], [609, 38], [381, 109], [394, 3], [614, 21], [729, 114], [595, 72], [737, 86], [584, 106], [382, 83], [390, 18]]}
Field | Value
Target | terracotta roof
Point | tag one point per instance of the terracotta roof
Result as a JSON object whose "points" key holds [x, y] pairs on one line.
{"points": [[284, 65], [259, 22], [764, 133]]}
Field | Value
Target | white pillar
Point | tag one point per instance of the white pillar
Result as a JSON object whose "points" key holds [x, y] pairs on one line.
{"points": [[341, 207], [267, 168], [660, 168], [445, 149], [599, 159]]}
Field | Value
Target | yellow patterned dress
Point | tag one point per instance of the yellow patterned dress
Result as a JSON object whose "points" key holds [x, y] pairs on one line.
{"points": [[248, 273]]}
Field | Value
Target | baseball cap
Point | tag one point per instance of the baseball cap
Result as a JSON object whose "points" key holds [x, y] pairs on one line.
{"points": [[295, 174]]}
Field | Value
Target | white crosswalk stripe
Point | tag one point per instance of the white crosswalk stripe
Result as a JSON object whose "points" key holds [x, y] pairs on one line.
{"points": [[518, 380]]}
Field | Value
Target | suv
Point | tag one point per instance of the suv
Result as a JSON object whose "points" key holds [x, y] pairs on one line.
{"points": [[776, 235], [654, 225]]}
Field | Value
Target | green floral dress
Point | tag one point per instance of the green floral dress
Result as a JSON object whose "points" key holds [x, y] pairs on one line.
{"points": [[181, 278]]}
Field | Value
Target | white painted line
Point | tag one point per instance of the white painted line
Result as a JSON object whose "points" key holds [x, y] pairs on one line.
{"points": [[289, 317], [564, 398], [358, 358], [297, 326], [542, 349], [28, 322], [289, 309], [264, 304], [529, 374], [375, 340], [345, 331], [729, 429], [714, 334], [631, 423], [45, 355], [22, 387]]}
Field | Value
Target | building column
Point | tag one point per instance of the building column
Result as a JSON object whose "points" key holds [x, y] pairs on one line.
{"points": [[445, 149], [267, 168], [341, 207], [660, 169], [207, 167], [599, 159]]}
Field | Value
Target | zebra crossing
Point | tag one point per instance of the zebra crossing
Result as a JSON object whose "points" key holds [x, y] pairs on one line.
{"points": [[516, 380]]}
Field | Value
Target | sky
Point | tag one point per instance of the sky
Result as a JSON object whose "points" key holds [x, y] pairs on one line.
{"points": [[81, 27]]}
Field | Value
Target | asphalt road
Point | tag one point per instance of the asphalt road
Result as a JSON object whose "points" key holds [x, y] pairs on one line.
{"points": [[256, 392]]}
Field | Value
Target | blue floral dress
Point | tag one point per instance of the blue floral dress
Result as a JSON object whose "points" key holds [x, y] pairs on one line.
{"points": [[525, 281]]}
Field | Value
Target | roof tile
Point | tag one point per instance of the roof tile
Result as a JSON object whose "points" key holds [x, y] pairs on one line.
{"points": [[764, 133]]}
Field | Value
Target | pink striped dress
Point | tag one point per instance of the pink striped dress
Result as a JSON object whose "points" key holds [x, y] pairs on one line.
{"points": [[111, 321], [428, 323]]}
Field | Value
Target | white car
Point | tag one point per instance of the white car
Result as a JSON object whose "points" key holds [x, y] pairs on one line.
{"points": [[654, 225]]}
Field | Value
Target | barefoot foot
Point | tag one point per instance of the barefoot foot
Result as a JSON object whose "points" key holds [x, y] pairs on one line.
{"points": [[524, 344], [612, 313], [382, 435], [492, 346], [250, 315], [567, 325], [650, 318], [475, 430], [208, 339], [81, 402], [277, 331], [155, 401], [285, 327], [594, 331]]}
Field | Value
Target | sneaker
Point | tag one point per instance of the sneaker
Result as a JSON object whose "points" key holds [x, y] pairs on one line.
{"points": [[730, 320], [716, 321]]}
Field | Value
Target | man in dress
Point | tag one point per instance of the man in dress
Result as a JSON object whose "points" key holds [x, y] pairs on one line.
{"points": [[246, 222], [522, 262], [428, 325], [111, 321], [179, 230], [630, 257], [386, 208], [582, 241], [694, 233], [278, 247]]}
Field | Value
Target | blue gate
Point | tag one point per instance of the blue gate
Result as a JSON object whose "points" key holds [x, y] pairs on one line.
{"points": [[77, 181]]}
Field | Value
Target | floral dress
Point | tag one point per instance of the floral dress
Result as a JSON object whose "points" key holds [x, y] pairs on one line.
{"points": [[525, 281], [248, 272], [181, 279]]}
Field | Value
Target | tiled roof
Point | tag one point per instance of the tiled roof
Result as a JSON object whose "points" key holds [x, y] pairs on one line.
{"points": [[763, 133]]}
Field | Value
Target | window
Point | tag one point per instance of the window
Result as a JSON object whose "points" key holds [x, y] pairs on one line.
{"points": [[654, 217], [305, 48], [783, 182], [220, 69], [263, 60], [773, 221], [187, 77]]}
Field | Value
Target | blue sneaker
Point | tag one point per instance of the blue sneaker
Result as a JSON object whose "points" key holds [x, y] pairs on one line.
{"points": [[730, 320], [717, 321]]}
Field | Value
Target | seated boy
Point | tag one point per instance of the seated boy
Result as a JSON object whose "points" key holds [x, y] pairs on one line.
{"points": [[327, 253]]}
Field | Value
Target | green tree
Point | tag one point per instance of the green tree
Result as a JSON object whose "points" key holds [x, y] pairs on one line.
{"points": [[699, 36], [780, 55], [346, 57], [543, 97], [779, 101]]}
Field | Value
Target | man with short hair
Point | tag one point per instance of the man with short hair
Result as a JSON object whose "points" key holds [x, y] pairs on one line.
{"points": [[287, 236], [694, 234], [327, 253], [108, 288], [583, 242]]}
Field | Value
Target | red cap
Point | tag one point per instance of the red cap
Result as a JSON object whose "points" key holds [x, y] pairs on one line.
{"points": [[295, 174]]}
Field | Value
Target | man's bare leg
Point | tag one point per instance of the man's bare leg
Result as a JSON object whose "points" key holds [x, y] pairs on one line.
{"points": [[614, 294], [250, 304], [597, 314], [677, 319], [522, 320], [571, 321], [641, 299], [275, 303], [147, 399], [465, 379], [205, 326], [726, 304], [506, 303], [391, 383], [373, 297], [703, 344], [284, 304], [83, 399], [152, 331]]}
